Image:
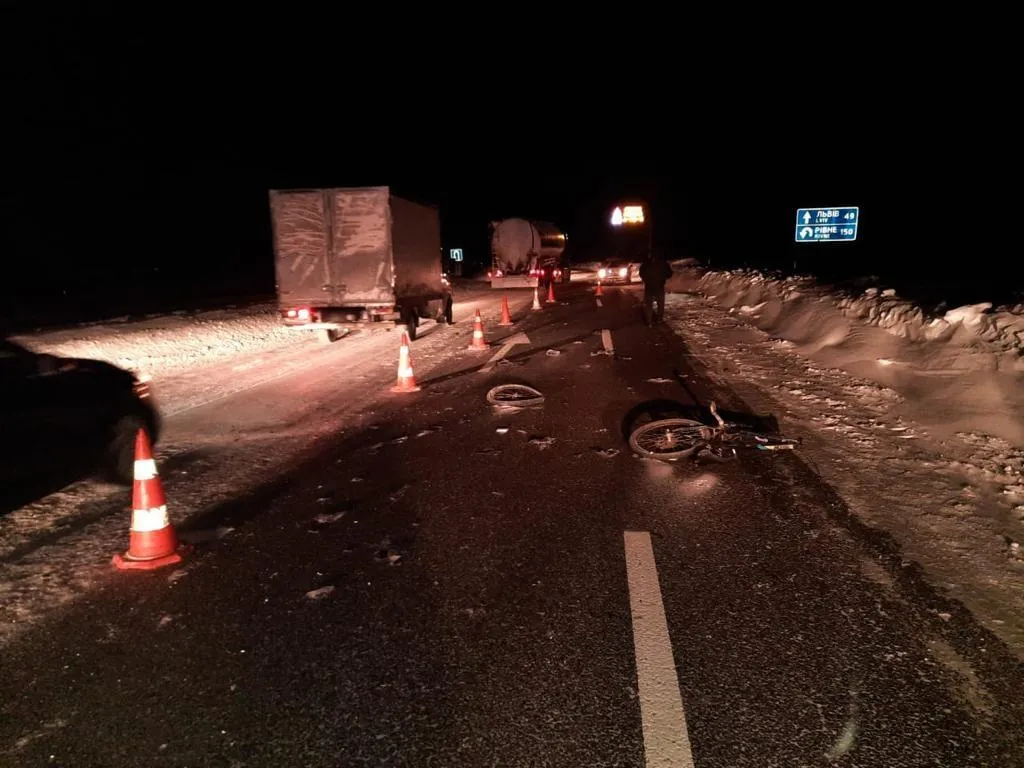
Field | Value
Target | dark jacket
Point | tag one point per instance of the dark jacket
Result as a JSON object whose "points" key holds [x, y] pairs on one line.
{"points": [[655, 273]]}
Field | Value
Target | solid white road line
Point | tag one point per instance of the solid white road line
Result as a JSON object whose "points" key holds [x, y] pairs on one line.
{"points": [[666, 741], [606, 340]]}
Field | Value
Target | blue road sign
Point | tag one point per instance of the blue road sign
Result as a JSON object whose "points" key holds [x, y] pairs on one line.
{"points": [[456, 254], [827, 225]]}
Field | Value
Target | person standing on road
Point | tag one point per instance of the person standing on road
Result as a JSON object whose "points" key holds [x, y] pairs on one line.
{"points": [[655, 272]]}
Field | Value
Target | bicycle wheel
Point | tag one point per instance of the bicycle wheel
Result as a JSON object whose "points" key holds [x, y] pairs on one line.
{"points": [[515, 396], [668, 439]]}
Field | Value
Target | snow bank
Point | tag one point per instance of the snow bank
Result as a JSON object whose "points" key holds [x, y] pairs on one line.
{"points": [[965, 369], [172, 342]]}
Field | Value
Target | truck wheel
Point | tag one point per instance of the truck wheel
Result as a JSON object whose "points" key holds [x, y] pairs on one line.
{"points": [[331, 335], [118, 464]]}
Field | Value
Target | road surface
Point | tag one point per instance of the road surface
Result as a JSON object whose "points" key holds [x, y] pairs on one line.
{"points": [[417, 579]]}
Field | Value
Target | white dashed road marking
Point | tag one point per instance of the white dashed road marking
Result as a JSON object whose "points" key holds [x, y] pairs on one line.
{"points": [[606, 340]]}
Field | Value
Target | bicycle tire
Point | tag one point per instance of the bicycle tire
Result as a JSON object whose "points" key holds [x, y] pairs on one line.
{"points": [[693, 430], [514, 396]]}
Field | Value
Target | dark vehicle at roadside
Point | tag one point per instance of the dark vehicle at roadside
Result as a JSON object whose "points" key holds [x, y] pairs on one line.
{"points": [[62, 419]]}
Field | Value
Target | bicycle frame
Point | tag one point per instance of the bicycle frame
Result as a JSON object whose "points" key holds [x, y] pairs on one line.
{"points": [[726, 432]]}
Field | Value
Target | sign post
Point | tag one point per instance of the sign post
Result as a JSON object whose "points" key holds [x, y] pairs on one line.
{"points": [[827, 225]]}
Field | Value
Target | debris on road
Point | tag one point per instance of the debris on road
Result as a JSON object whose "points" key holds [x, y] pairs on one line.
{"points": [[543, 443], [328, 519], [553, 352], [607, 453], [398, 493], [178, 574], [319, 594], [502, 430], [387, 555], [660, 380]]}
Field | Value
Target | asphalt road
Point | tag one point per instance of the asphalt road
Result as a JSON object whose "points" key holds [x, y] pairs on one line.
{"points": [[484, 597]]}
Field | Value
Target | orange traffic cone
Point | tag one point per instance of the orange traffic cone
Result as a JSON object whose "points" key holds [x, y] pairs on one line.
{"points": [[599, 292], [551, 292], [151, 540], [406, 380], [536, 299], [506, 316], [478, 333]]}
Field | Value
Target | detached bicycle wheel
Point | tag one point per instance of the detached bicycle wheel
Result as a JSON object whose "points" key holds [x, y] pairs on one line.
{"points": [[515, 396], [668, 439]]}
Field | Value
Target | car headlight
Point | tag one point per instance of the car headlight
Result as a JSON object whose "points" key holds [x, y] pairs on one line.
{"points": [[622, 272], [602, 272]]}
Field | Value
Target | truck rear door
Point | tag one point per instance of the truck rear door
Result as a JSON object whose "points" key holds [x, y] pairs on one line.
{"points": [[301, 240], [361, 266]]}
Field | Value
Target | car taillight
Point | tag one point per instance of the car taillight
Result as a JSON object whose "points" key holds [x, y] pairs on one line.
{"points": [[602, 272], [141, 386]]}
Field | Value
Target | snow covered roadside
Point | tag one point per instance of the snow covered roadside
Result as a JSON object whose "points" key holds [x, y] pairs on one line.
{"points": [[917, 423], [169, 343]]}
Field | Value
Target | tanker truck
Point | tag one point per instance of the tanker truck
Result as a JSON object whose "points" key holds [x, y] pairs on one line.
{"points": [[527, 254]]}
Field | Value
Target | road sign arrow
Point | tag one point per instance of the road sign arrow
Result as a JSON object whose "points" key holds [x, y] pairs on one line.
{"points": [[806, 232], [519, 338], [807, 217]]}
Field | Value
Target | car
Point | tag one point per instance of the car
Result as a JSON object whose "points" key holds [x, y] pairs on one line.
{"points": [[612, 272], [69, 418]]}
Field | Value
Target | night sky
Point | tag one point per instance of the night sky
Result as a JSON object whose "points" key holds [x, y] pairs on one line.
{"points": [[139, 176]]}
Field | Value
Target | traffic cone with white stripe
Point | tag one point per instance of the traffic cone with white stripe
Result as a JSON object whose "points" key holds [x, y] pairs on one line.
{"points": [[152, 542], [406, 380], [599, 292], [551, 291], [478, 333], [506, 316], [536, 299]]}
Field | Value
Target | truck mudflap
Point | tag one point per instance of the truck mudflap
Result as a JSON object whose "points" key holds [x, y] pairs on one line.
{"points": [[514, 281]]}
